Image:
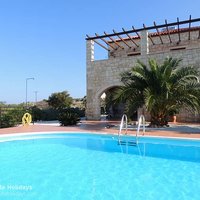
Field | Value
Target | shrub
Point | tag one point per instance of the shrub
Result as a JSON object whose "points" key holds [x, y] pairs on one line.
{"points": [[11, 117], [79, 111], [49, 114], [7, 120], [68, 116], [36, 113]]}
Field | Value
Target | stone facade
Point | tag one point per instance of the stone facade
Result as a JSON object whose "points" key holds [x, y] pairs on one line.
{"points": [[105, 74]]}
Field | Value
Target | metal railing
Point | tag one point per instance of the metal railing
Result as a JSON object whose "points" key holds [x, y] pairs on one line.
{"points": [[124, 124], [141, 122]]}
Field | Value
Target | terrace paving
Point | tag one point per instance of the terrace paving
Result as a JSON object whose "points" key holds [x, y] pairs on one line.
{"points": [[106, 127]]}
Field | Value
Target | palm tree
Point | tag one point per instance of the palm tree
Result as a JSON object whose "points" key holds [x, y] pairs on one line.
{"points": [[163, 89]]}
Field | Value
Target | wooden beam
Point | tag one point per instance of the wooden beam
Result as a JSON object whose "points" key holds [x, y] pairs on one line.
{"points": [[199, 34], [122, 39], [149, 35], [98, 43], [101, 45], [179, 36], [168, 31], [135, 31], [88, 37], [189, 28], [158, 33], [147, 28], [113, 40], [106, 42], [130, 37]]}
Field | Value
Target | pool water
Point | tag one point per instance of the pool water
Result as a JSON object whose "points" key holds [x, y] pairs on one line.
{"points": [[94, 167]]}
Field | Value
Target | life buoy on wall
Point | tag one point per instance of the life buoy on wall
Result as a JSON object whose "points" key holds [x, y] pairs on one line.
{"points": [[26, 119]]}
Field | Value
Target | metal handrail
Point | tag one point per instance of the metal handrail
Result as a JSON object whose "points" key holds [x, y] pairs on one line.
{"points": [[141, 121], [124, 120]]}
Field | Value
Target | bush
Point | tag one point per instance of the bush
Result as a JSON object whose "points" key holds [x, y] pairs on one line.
{"points": [[7, 120], [49, 114], [11, 117], [79, 111], [46, 114], [68, 116], [36, 113]]}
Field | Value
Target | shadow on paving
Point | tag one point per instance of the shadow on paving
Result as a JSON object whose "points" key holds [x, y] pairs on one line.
{"points": [[184, 128]]}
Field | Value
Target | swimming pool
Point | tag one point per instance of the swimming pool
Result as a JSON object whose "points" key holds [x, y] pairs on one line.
{"points": [[93, 167]]}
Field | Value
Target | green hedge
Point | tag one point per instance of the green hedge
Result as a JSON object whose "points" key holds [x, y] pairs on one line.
{"points": [[11, 117]]}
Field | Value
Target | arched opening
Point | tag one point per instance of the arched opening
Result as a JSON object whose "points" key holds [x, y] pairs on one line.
{"points": [[113, 110]]}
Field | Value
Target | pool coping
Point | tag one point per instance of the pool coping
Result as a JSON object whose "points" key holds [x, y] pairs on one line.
{"points": [[187, 131], [88, 132]]}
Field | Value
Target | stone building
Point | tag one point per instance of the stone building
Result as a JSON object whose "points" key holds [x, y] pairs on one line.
{"points": [[180, 39]]}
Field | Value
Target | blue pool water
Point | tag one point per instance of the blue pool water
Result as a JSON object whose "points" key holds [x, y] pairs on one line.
{"points": [[95, 167]]}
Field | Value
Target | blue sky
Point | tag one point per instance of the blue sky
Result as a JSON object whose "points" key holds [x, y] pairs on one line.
{"points": [[45, 39]]}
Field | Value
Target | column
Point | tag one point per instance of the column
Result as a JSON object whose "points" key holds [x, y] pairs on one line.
{"points": [[144, 42], [93, 105], [89, 51]]}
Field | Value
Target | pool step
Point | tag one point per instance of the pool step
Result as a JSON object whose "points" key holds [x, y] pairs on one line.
{"points": [[129, 143]]}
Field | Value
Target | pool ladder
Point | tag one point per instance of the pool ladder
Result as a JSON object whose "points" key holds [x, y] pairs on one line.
{"points": [[124, 125]]}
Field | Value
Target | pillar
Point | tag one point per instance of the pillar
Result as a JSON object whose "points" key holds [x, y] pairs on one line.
{"points": [[93, 103], [144, 42], [89, 51]]}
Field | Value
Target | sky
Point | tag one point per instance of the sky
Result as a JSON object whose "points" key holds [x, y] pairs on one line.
{"points": [[45, 39]]}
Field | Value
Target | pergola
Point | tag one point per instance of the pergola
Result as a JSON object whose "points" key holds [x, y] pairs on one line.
{"points": [[106, 41]]}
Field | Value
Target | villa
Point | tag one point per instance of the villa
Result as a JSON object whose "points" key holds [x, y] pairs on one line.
{"points": [[180, 39]]}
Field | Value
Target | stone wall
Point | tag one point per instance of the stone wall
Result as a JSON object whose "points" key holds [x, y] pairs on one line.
{"points": [[157, 46], [105, 74]]}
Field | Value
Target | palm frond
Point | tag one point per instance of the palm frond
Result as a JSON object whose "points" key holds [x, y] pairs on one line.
{"points": [[163, 89]]}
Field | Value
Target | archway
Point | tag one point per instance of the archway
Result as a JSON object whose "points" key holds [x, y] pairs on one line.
{"points": [[109, 108]]}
